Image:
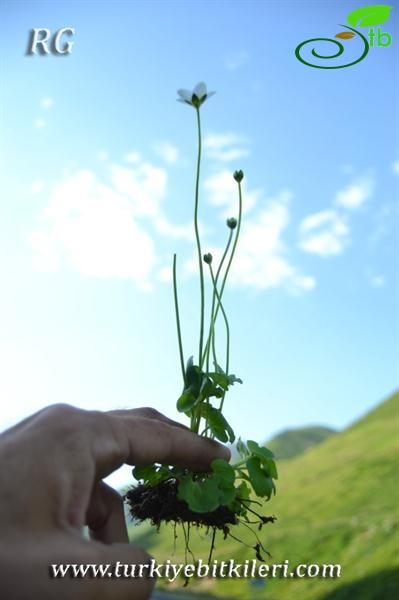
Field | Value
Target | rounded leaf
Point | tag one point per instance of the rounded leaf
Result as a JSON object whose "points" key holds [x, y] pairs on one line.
{"points": [[201, 496], [224, 471], [259, 478]]}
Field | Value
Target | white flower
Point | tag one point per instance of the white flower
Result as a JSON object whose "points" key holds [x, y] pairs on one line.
{"points": [[196, 97]]}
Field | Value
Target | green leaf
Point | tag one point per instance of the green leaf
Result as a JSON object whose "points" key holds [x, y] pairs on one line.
{"points": [[224, 471], [194, 383], [146, 473], [193, 377], [271, 466], [243, 491], [209, 389], [152, 474], [260, 451], [186, 401], [220, 379], [265, 456], [201, 495], [237, 506], [368, 16], [233, 379], [261, 483], [217, 423], [225, 476]]}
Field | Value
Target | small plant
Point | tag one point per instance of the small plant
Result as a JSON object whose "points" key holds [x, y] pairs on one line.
{"points": [[220, 498]]}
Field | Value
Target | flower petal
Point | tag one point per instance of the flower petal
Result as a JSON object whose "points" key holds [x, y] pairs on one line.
{"points": [[185, 95], [200, 89]]}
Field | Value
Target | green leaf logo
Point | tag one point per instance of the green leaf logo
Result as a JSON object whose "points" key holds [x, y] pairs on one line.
{"points": [[369, 15]]}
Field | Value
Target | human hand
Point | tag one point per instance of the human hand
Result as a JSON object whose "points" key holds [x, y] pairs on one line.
{"points": [[52, 464]]}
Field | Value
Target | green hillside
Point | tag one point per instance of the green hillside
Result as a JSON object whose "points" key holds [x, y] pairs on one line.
{"points": [[293, 442], [336, 503]]}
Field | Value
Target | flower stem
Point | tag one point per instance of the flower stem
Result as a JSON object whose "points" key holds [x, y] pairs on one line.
{"points": [[211, 335], [201, 270], [178, 320], [233, 249], [226, 322]]}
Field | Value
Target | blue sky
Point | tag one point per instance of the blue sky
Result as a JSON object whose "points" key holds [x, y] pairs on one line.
{"points": [[98, 184]]}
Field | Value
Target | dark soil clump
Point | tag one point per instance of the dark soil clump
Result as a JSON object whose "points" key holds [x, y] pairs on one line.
{"points": [[160, 504]]}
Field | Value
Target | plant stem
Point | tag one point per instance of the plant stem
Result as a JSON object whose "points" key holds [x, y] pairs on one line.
{"points": [[233, 249], [225, 320], [178, 320], [198, 238], [211, 336]]}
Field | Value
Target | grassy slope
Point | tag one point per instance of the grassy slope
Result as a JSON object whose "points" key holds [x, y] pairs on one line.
{"points": [[335, 504], [294, 442]]}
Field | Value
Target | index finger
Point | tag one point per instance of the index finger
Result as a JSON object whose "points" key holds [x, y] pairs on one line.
{"points": [[138, 440]]}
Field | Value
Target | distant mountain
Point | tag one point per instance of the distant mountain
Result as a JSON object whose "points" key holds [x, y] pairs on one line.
{"points": [[336, 503], [293, 442]]}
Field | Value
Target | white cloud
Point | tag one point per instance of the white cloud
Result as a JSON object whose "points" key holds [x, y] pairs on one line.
{"points": [[325, 233], [167, 151], [395, 167], [225, 147], [40, 123], [47, 103], [236, 60], [262, 259], [222, 191], [355, 195], [144, 185], [110, 228], [105, 228], [165, 274], [182, 232], [91, 228]]}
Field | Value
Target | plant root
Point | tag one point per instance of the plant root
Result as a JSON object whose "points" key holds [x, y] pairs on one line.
{"points": [[160, 504]]}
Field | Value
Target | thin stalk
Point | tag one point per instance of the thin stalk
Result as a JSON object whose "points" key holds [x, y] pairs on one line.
{"points": [[201, 270], [233, 249], [176, 302], [225, 320], [196, 415], [211, 337]]}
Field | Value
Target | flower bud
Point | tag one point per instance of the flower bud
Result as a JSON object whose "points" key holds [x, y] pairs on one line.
{"points": [[231, 223], [238, 176], [208, 258]]}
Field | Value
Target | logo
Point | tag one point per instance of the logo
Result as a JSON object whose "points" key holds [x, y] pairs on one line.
{"points": [[369, 16], [42, 42]]}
